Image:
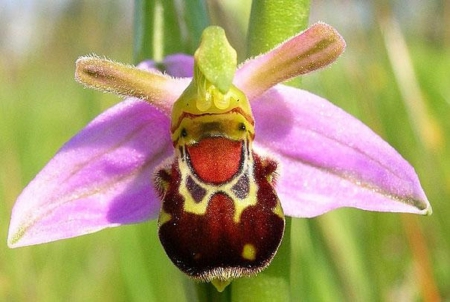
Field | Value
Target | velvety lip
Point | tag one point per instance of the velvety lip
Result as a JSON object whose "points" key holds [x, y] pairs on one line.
{"points": [[216, 159]]}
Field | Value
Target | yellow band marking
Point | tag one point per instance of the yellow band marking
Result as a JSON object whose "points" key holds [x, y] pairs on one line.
{"points": [[164, 217], [199, 208], [278, 210]]}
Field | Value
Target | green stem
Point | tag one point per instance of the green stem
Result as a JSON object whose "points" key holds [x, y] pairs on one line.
{"points": [[206, 292], [272, 22]]}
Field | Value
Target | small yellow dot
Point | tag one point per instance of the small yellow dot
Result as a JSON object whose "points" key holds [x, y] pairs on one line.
{"points": [[249, 252]]}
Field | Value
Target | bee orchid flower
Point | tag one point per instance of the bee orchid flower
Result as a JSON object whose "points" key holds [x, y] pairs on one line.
{"points": [[215, 139]]}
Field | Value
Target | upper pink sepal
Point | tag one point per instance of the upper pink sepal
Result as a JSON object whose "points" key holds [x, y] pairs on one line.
{"points": [[101, 178], [329, 159]]}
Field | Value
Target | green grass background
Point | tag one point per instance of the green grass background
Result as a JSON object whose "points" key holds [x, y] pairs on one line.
{"points": [[345, 255]]}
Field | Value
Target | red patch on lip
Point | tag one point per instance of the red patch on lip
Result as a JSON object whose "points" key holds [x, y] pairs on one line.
{"points": [[216, 159]]}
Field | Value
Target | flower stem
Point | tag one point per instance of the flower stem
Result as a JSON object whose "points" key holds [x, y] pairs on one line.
{"points": [[272, 22], [206, 292]]}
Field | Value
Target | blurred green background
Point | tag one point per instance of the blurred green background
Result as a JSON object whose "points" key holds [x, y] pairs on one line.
{"points": [[394, 76]]}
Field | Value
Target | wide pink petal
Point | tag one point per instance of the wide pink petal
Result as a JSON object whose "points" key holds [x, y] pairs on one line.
{"points": [[101, 178], [329, 159]]}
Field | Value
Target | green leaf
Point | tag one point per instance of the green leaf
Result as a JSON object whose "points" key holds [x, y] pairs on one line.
{"points": [[144, 11]]}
